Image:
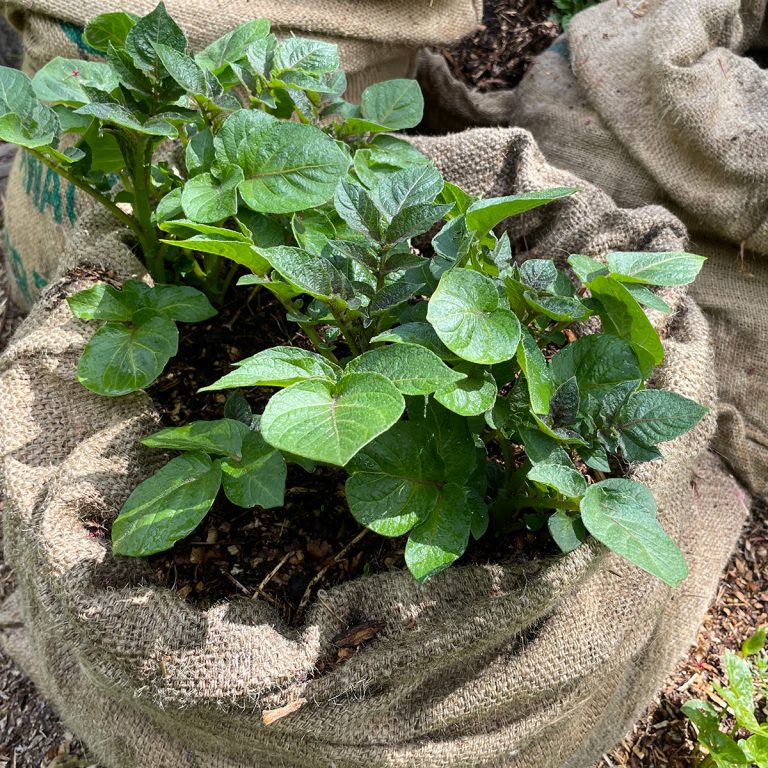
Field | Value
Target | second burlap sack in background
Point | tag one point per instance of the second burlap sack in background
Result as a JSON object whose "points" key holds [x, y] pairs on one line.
{"points": [[665, 102], [378, 40]]}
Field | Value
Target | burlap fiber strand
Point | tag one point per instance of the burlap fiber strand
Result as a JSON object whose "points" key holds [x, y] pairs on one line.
{"points": [[518, 664], [378, 40], [665, 101]]}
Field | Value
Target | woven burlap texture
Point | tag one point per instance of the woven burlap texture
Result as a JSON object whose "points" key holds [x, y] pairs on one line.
{"points": [[534, 664], [666, 104], [378, 40]]}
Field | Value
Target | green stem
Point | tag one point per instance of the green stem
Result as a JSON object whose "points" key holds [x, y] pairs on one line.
{"points": [[506, 453], [523, 503], [142, 207], [310, 333], [117, 212], [339, 317], [228, 280]]}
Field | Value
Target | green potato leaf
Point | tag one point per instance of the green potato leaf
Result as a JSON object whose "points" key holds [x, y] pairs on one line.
{"points": [[23, 119], [258, 478], [586, 268], [200, 153], [647, 298], [188, 73], [653, 416], [239, 251], [414, 220], [310, 274], [167, 507], [393, 105], [484, 215], [176, 302], [541, 448], [223, 437], [564, 405], [468, 315], [470, 396], [277, 367], [312, 56], [288, 167], [122, 358], [406, 188], [559, 308], [329, 422], [100, 302], [534, 367], [394, 482], [565, 480], [599, 362], [156, 27], [233, 46], [207, 199], [623, 317], [116, 114], [539, 274], [670, 268], [443, 537], [413, 369], [622, 515], [422, 334], [356, 207], [61, 81], [109, 29], [568, 531]]}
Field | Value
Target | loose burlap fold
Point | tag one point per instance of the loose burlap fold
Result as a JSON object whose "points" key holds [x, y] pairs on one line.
{"points": [[525, 664], [378, 40], [666, 102]]}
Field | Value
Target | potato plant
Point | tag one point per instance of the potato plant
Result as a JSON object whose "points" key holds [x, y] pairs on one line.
{"points": [[440, 378], [742, 706]]}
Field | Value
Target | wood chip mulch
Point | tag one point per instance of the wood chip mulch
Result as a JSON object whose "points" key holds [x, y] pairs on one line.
{"points": [[499, 53], [663, 738]]}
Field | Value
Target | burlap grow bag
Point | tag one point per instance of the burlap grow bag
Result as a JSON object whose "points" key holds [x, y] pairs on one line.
{"points": [[377, 39], [524, 664], [666, 102]]}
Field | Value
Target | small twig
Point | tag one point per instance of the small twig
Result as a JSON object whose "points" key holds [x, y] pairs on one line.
{"points": [[272, 573], [234, 581], [319, 575], [329, 609], [269, 716], [349, 546]]}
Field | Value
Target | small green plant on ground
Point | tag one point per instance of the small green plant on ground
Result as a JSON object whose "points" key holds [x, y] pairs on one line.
{"points": [[735, 735], [565, 10], [440, 378]]}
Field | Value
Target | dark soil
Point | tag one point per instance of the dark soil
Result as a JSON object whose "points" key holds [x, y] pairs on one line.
{"points": [[282, 555], [499, 53]]}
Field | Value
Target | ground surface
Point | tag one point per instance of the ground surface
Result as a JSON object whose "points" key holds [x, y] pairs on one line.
{"points": [[31, 736]]}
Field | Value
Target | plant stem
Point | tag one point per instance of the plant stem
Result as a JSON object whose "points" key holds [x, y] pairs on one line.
{"points": [[317, 343], [523, 503], [117, 212], [143, 210], [506, 453], [310, 333], [339, 317]]}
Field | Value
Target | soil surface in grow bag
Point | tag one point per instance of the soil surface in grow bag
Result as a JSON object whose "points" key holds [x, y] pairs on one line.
{"points": [[285, 554]]}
